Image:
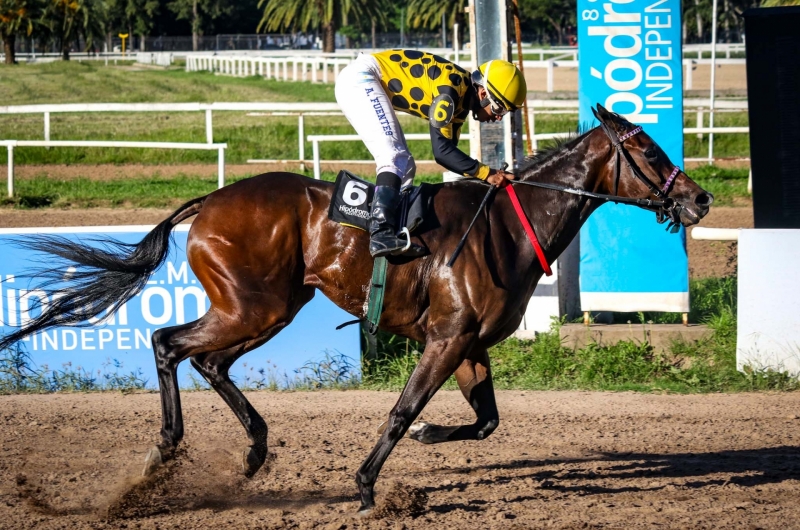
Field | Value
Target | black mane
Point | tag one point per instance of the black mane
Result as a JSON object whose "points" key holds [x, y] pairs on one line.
{"points": [[554, 147]]}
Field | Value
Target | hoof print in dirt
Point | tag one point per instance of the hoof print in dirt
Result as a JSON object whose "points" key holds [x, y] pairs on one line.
{"points": [[401, 501]]}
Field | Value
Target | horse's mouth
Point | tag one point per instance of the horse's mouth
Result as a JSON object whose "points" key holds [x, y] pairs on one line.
{"points": [[690, 217]]}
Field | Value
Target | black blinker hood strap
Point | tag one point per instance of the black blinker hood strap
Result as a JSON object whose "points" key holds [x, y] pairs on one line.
{"points": [[629, 161]]}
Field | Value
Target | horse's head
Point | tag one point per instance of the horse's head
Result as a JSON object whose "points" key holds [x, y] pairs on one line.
{"points": [[638, 168]]}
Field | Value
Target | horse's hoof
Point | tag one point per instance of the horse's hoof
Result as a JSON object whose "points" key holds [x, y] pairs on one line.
{"points": [[382, 427], [420, 431], [251, 462], [152, 461], [363, 513]]}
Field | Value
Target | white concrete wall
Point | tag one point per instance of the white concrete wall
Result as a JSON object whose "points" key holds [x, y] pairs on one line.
{"points": [[768, 335]]}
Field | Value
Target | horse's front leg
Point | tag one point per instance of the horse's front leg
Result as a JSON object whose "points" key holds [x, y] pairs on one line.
{"points": [[440, 359], [475, 381]]}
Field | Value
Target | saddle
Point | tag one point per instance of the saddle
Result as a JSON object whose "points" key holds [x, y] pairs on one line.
{"points": [[351, 205], [352, 202]]}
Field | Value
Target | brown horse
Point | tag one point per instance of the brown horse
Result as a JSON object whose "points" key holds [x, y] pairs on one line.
{"points": [[262, 246]]}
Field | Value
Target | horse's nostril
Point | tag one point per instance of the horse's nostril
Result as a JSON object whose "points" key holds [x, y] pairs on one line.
{"points": [[704, 199]]}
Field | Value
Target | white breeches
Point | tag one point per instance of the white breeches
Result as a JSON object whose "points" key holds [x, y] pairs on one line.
{"points": [[369, 110]]}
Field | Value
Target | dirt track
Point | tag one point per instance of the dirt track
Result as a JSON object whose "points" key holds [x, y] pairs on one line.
{"points": [[558, 460]]}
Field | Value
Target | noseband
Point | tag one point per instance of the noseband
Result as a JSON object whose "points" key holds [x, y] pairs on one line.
{"points": [[668, 209]]}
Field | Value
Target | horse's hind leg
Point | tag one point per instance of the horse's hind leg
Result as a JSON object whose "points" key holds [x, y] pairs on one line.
{"points": [[475, 381], [214, 369], [214, 332]]}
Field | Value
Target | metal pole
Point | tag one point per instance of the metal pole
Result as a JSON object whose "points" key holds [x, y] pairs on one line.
{"points": [[209, 128], [521, 64], [444, 33], [713, 80], [221, 167], [474, 127], [402, 27], [10, 171]]}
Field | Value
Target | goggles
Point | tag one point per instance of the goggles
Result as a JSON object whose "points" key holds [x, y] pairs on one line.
{"points": [[497, 109]]}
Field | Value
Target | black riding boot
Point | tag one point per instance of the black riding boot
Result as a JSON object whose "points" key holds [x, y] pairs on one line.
{"points": [[383, 226]]}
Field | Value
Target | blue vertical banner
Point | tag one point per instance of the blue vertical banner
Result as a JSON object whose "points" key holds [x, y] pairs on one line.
{"points": [[630, 62]]}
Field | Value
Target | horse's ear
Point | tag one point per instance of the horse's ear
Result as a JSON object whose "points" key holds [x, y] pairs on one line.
{"points": [[596, 114], [602, 114], [608, 118]]}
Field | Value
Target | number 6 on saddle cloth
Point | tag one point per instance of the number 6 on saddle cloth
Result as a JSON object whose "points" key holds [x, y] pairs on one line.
{"points": [[352, 200]]}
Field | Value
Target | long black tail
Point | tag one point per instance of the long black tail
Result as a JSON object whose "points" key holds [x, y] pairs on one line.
{"points": [[82, 281]]}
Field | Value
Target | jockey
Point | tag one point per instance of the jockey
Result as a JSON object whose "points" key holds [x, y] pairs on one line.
{"points": [[371, 88]]}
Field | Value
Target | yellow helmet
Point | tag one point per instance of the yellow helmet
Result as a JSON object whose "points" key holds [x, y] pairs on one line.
{"points": [[504, 82]]}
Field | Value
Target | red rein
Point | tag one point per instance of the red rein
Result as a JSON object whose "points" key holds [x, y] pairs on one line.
{"points": [[528, 229]]}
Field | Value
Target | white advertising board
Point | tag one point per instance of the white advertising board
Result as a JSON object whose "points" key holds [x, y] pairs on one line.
{"points": [[542, 307], [768, 335]]}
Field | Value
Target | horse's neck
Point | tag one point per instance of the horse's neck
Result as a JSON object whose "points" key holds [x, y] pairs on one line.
{"points": [[557, 216]]}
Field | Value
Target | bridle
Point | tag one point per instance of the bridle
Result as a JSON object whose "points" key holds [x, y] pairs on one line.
{"points": [[666, 209], [669, 209]]}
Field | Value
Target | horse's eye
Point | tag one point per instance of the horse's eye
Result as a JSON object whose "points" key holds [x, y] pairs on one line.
{"points": [[651, 154]]}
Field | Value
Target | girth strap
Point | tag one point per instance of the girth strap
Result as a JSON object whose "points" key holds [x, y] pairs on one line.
{"points": [[376, 291]]}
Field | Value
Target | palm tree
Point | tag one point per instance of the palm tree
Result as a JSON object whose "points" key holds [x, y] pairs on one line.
{"points": [[68, 20], [302, 15], [16, 17], [428, 14]]}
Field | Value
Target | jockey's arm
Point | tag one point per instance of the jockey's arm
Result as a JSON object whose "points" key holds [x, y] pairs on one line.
{"points": [[444, 142]]}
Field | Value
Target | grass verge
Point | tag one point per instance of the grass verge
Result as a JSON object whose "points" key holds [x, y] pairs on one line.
{"points": [[544, 364], [729, 187], [142, 192]]}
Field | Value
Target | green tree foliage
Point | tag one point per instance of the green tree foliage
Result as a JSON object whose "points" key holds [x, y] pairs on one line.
{"points": [[550, 16], [428, 14], [16, 18], [327, 15], [68, 20], [136, 17], [200, 13]]}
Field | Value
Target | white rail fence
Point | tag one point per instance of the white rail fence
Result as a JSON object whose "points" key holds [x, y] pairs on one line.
{"points": [[301, 110], [155, 58], [326, 67], [695, 50], [316, 139], [11, 145], [535, 107], [702, 233]]}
